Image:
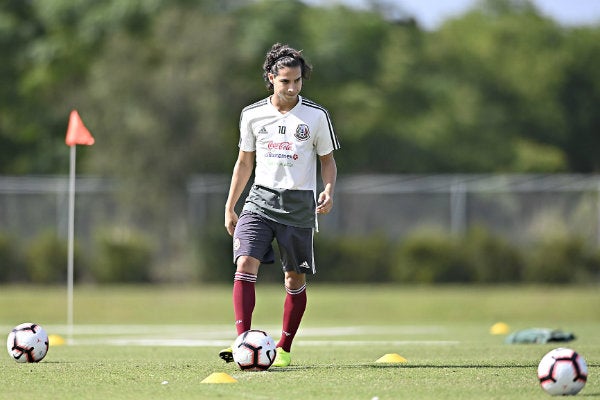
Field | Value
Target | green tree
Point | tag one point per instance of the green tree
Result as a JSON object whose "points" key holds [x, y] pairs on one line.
{"points": [[48, 47], [489, 80], [172, 119], [579, 96], [500, 88], [345, 47]]}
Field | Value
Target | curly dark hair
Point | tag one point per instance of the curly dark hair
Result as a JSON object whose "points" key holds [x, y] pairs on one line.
{"points": [[282, 55]]}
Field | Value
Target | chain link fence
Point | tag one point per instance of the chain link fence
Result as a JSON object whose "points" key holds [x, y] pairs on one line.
{"points": [[518, 207]]}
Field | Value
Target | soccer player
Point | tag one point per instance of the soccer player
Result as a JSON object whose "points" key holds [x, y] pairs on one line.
{"points": [[281, 139]]}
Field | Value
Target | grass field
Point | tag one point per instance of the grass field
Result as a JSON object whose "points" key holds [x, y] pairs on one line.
{"points": [[156, 342]]}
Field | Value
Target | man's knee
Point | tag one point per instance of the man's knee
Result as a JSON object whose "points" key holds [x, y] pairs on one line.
{"points": [[247, 265], [294, 280]]}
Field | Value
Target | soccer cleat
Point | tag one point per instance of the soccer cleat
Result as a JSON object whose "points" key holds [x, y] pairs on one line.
{"points": [[226, 355], [282, 359]]}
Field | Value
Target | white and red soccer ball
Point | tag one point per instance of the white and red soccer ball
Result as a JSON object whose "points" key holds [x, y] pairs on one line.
{"points": [[254, 350], [562, 372], [27, 343]]}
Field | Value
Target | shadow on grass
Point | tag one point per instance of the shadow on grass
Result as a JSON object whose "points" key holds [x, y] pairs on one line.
{"points": [[406, 366], [398, 366], [413, 366]]}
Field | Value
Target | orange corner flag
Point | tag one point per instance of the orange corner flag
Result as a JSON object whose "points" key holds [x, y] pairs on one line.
{"points": [[77, 133]]}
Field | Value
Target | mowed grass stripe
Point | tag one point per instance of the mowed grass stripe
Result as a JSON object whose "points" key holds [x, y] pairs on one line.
{"points": [[368, 321], [211, 336]]}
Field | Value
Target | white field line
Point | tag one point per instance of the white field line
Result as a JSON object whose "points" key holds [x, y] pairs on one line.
{"points": [[222, 335], [211, 330], [225, 343]]}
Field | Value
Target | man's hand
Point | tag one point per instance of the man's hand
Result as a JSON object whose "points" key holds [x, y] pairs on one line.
{"points": [[231, 219], [324, 203]]}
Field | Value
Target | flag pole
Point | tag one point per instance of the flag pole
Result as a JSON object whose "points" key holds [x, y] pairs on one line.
{"points": [[77, 133], [71, 244]]}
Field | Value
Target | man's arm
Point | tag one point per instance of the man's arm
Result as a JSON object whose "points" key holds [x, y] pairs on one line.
{"points": [[329, 177], [241, 174]]}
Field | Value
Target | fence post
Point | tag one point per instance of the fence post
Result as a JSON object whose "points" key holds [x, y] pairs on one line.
{"points": [[458, 208], [598, 215]]}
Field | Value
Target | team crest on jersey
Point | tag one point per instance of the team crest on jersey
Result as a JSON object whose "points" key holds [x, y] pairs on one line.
{"points": [[302, 132]]}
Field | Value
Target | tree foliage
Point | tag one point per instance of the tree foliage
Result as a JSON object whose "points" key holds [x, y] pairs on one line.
{"points": [[160, 83]]}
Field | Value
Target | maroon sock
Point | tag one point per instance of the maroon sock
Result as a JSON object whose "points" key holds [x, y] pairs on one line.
{"points": [[293, 310], [244, 298]]}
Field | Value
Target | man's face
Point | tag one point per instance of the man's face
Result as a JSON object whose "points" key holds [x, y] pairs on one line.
{"points": [[287, 84]]}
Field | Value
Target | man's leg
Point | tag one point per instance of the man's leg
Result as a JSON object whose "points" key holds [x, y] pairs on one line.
{"points": [[293, 310], [244, 295], [244, 298]]}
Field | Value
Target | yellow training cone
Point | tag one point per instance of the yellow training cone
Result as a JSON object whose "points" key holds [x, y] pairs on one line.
{"points": [[55, 340], [392, 358], [499, 328], [219, 377]]}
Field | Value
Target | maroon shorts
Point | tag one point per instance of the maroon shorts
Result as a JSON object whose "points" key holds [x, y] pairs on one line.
{"points": [[254, 236]]}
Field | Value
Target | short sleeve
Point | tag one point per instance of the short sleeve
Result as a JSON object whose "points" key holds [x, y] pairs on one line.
{"points": [[247, 139], [326, 140]]}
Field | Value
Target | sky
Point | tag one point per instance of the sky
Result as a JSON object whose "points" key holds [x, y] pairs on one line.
{"points": [[431, 13]]}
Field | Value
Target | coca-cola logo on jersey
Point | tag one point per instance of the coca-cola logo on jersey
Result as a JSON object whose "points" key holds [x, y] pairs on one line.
{"points": [[280, 145]]}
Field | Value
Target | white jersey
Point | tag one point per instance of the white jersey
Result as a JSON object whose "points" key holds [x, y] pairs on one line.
{"points": [[287, 145]]}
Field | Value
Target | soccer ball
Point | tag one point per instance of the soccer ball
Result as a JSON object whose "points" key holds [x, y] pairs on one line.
{"points": [[254, 350], [562, 372], [27, 342]]}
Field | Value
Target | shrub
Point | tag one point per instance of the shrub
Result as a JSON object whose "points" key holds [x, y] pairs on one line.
{"points": [[430, 256], [122, 255], [214, 256], [353, 258], [492, 258], [425, 256], [47, 258], [12, 265], [562, 259]]}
